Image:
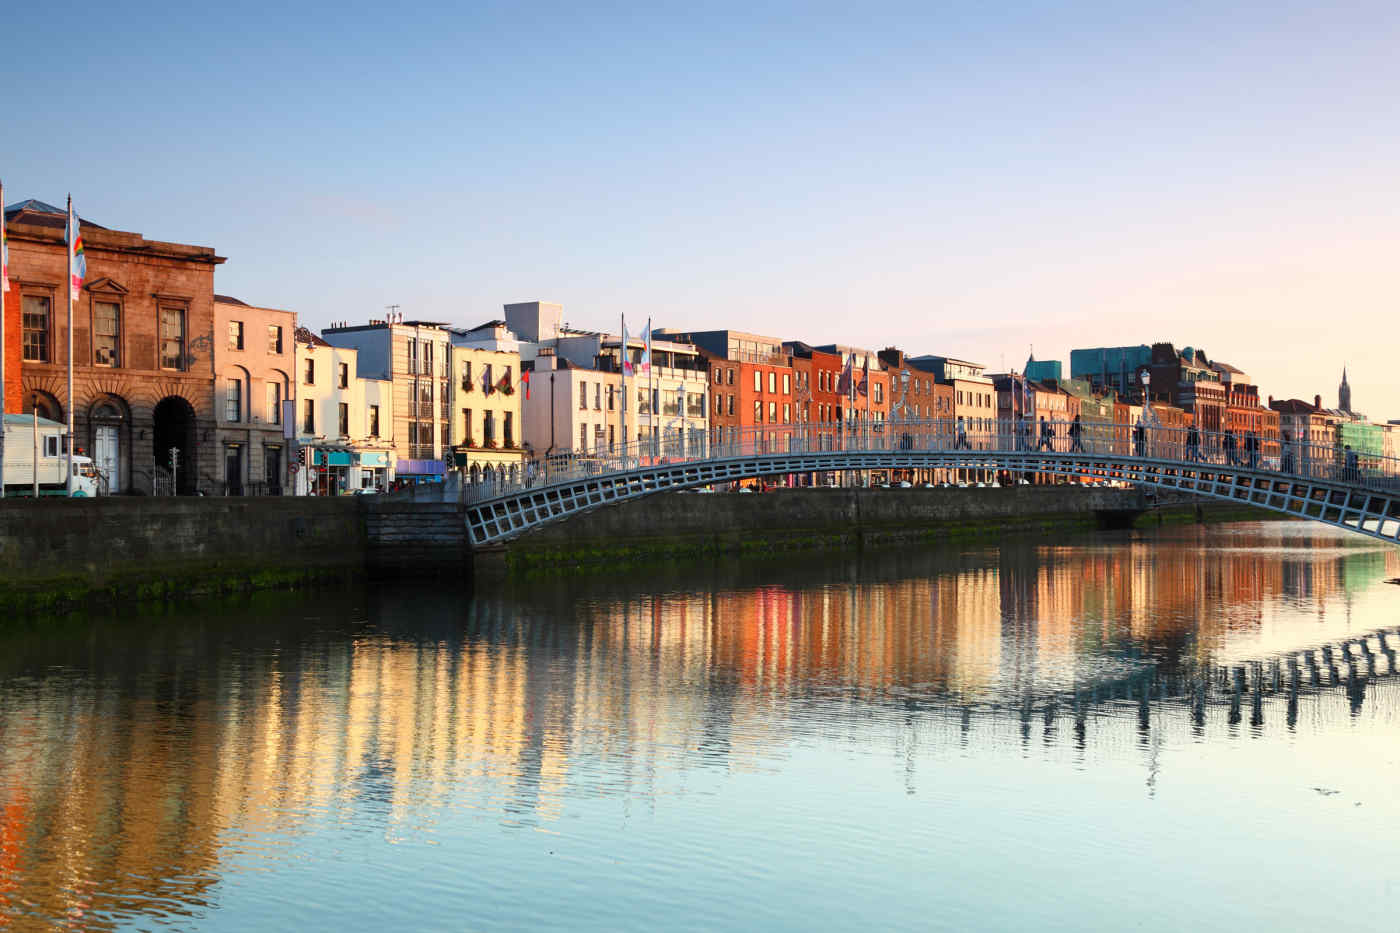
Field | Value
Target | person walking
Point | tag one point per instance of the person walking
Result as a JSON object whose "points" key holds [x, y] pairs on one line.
{"points": [[1193, 443], [961, 443], [1353, 471], [1076, 436], [1229, 444], [1251, 450], [1047, 436], [1139, 440], [1288, 462]]}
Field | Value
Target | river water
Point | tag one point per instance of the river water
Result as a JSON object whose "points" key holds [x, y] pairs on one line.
{"points": [[1045, 735]]}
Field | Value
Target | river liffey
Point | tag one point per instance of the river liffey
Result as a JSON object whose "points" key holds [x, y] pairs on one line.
{"points": [[1190, 728]]}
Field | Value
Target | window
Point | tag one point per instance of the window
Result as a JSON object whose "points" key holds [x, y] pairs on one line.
{"points": [[583, 437], [235, 335], [172, 339], [787, 384], [344, 371], [466, 375], [36, 328], [731, 404], [612, 402], [719, 404], [233, 400], [772, 381], [719, 375], [274, 338], [412, 356], [731, 376], [787, 413], [274, 403], [106, 333], [583, 396], [310, 371], [597, 396], [466, 422], [344, 420], [757, 381], [308, 417], [772, 412], [427, 362], [272, 467], [612, 436], [444, 403], [508, 429], [757, 412]]}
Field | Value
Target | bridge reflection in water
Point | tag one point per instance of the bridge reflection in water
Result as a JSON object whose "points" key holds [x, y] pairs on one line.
{"points": [[146, 765]]}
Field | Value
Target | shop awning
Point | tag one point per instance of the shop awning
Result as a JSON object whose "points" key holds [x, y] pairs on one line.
{"points": [[332, 458], [420, 467], [374, 459]]}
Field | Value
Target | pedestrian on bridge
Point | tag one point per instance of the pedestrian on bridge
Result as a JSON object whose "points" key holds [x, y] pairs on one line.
{"points": [[961, 443], [1193, 443], [1352, 473], [1047, 436], [1076, 434], [1288, 463], [1229, 444], [1251, 450], [1139, 440]]}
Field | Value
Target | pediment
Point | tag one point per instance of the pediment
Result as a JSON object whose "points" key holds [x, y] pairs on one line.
{"points": [[106, 284]]}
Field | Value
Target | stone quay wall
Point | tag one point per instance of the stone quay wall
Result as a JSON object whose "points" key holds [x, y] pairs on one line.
{"points": [[673, 524], [61, 553]]}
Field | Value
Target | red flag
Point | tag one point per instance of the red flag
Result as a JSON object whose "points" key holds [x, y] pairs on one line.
{"points": [[525, 378]]}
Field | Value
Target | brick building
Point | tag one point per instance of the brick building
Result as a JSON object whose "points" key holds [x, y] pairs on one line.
{"points": [[254, 373], [143, 353]]}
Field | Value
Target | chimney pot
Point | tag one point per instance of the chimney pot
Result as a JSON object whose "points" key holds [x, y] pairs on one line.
{"points": [[1317, 401]]}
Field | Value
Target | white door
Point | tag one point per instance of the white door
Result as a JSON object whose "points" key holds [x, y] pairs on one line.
{"points": [[106, 456]]}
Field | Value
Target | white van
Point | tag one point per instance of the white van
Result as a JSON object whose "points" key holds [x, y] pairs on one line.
{"points": [[20, 431]]}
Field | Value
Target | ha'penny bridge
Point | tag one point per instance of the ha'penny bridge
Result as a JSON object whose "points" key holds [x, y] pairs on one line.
{"points": [[1355, 491]]}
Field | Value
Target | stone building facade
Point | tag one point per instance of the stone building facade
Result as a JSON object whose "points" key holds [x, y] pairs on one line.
{"points": [[254, 373], [143, 354], [487, 390]]}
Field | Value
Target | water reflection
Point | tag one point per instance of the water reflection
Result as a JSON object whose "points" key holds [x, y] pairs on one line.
{"points": [[151, 766]]}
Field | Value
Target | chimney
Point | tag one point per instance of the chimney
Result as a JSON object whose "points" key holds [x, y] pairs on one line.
{"points": [[1271, 400], [1317, 401]]}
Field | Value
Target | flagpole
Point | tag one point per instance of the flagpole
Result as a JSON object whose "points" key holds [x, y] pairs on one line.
{"points": [[651, 387], [70, 345], [4, 287], [622, 362]]}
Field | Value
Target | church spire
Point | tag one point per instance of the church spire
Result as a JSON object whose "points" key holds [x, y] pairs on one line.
{"points": [[1344, 392]]}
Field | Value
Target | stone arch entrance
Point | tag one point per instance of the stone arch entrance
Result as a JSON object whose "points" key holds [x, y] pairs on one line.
{"points": [[174, 427], [109, 424], [45, 403]]}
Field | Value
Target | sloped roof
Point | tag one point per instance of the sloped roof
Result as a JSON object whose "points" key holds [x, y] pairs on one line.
{"points": [[230, 300], [43, 214], [304, 335]]}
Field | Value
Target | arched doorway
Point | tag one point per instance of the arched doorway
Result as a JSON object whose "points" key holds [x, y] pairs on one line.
{"points": [[109, 420], [45, 404], [174, 428]]}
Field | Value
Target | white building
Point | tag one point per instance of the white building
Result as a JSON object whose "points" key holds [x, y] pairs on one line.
{"points": [[344, 420], [666, 406]]}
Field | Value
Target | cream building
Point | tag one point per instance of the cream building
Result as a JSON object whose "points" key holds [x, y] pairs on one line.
{"points": [[486, 392], [345, 421], [254, 362]]}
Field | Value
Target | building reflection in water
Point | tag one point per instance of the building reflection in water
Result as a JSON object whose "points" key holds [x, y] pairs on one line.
{"points": [[139, 760]]}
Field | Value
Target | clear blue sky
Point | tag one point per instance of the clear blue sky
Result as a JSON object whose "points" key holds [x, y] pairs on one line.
{"points": [[965, 179]]}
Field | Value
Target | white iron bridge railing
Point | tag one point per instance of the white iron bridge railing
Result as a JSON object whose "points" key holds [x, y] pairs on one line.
{"points": [[1287, 457]]}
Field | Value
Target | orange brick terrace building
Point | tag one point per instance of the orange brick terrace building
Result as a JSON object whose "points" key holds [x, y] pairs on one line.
{"points": [[143, 361]]}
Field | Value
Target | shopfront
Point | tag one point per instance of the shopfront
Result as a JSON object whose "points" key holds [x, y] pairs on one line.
{"points": [[374, 470], [331, 471], [408, 472]]}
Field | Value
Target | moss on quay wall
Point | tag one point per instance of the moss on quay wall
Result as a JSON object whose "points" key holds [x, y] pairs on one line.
{"points": [[590, 545]]}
